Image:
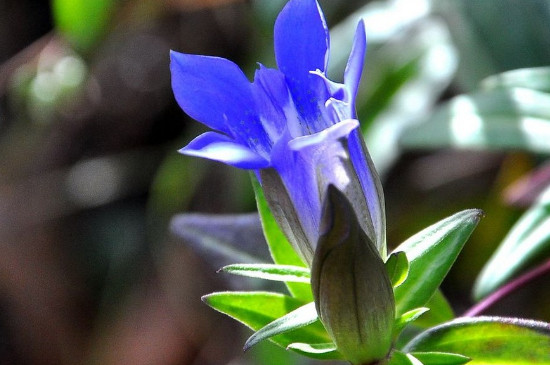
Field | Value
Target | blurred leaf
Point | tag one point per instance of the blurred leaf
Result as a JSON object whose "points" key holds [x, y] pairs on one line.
{"points": [[82, 22], [537, 78], [440, 311], [223, 239], [440, 358], [397, 267], [493, 36], [489, 340], [431, 254], [406, 318], [258, 309], [526, 242], [496, 119], [409, 63], [279, 247], [298, 318], [288, 273]]}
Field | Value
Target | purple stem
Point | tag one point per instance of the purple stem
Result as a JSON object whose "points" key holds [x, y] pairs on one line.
{"points": [[507, 289]]}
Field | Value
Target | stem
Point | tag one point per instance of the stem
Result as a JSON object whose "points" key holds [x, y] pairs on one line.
{"points": [[507, 289]]}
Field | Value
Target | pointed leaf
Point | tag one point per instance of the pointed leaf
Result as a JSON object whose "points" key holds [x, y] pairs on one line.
{"points": [[298, 318], [258, 309], [536, 78], [400, 358], [315, 348], [285, 273], [279, 247], [397, 267], [440, 358], [407, 318], [527, 241], [431, 254], [489, 340]]}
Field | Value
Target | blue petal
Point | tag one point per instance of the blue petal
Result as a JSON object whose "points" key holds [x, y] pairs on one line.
{"points": [[309, 164], [215, 92], [354, 68], [301, 46], [218, 147], [272, 99], [372, 187]]}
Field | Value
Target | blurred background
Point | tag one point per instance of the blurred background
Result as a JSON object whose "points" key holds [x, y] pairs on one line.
{"points": [[90, 272]]}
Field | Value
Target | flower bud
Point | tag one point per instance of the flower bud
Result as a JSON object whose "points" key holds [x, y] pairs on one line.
{"points": [[352, 291]]}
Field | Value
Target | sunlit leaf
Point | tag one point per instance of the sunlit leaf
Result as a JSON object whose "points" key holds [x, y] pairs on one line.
{"points": [[528, 240], [537, 78], [440, 311], [397, 266], [316, 348], [300, 317], [258, 309], [440, 358], [489, 340], [431, 254], [286, 273], [406, 318]]}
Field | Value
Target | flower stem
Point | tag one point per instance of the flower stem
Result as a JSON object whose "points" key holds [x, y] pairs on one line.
{"points": [[508, 289]]}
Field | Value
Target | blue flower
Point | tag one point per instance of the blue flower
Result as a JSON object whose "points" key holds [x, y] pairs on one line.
{"points": [[295, 128]]}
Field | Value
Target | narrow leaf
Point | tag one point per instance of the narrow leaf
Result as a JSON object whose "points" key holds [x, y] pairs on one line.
{"points": [[431, 254], [400, 358], [281, 250], [440, 358], [315, 348], [285, 273], [528, 240], [258, 309], [296, 319], [397, 267], [536, 78], [489, 340], [407, 318]]}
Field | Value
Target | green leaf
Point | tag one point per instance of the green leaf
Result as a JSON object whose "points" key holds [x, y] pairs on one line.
{"points": [[82, 22], [285, 273], [279, 247], [406, 318], [536, 78], [400, 358], [397, 267], [440, 358], [515, 118], [258, 309], [431, 254], [489, 340], [527, 241], [298, 318], [440, 311], [315, 348]]}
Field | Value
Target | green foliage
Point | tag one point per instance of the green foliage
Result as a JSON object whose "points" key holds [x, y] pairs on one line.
{"points": [[431, 254], [258, 309], [406, 318], [288, 273], [397, 267], [82, 22], [489, 340], [293, 320], [440, 358], [527, 242]]}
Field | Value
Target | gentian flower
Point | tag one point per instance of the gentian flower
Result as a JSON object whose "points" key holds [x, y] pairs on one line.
{"points": [[297, 130]]}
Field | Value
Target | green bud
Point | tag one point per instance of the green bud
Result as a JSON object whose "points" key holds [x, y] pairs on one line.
{"points": [[353, 294]]}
